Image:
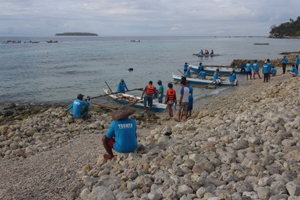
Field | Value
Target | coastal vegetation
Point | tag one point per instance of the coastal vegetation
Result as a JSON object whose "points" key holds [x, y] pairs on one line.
{"points": [[286, 29], [76, 34]]}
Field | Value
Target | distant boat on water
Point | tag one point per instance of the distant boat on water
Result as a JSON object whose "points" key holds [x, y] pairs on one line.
{"points": [[51, 41], [135, 40], [261, 43]]}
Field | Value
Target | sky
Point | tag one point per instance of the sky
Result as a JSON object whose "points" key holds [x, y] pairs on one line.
{"points": [[145, 17]]}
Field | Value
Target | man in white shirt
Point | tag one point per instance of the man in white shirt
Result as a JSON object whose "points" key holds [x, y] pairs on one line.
{"points": [[184, 100]]}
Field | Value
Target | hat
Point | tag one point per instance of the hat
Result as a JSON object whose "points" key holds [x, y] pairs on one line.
{"points": [[122, 80], [159, 81], [123, 112], [255, 61], [248, 61], [80, 96]]}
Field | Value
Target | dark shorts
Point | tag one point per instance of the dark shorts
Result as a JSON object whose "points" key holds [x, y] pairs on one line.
{"points": [[184, 105], [249, 73], [148, 99], [190, 105], [110, 142]]}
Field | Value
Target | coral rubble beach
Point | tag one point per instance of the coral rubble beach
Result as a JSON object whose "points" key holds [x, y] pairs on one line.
{"points": [[243, 144]]}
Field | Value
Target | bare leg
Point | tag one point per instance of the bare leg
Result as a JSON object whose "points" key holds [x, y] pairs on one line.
{"points": [[145, 108], [259, 76], [179, 114], [110, 154], [186, 114]]}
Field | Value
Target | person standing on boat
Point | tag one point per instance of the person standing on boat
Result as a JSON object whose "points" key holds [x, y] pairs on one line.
{"points": [[160, 92], [242, 67], [248, 70], [200, 67], [297, 62], [150, 90], [122, 86], [80, 107], [256, 69], [232, 76], [184, 101], [265, 70], [212, 52], [270, 67], [170, 99], [294, 71], [121, 135], [188, 73], [284, 61], [273, 70], [216, 77], [202, 74], [190, 105], [185, 67]]}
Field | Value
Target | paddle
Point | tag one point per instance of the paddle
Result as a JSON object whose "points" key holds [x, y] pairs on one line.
{"points": [[108, 87]]}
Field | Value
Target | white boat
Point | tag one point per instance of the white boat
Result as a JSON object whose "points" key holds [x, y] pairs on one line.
{"points": [[212, 69], [131, 99], [211, 81]]}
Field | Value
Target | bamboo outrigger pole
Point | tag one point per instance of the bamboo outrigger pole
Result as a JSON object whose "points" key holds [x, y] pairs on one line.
{"points": [[100, 104], [103, 95]]}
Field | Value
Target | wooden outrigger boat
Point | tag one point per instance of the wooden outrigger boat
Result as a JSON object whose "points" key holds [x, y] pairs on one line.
{"points": [[212, 69], [135, 101], [198, 81], [205, 55]]}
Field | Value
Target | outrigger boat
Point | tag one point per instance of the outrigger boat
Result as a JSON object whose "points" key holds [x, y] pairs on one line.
{"points": [[196, 81], [212, 69], [135, 101]]}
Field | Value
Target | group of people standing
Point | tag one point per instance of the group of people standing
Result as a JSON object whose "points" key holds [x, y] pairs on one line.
{"points": [[206, 52]]}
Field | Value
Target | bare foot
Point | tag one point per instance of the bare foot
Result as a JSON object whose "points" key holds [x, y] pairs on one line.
{"points": [[107, 157]]}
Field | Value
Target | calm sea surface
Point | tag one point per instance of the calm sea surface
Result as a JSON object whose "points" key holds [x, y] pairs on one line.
{"points": [[56, 72]]}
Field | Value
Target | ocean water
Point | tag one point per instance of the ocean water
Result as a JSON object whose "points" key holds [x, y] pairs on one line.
{"points": [[39, 73]]}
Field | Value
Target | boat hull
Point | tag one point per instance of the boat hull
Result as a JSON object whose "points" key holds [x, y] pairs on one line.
{"points": [[205, 81], [212, 69], [156, 107]]}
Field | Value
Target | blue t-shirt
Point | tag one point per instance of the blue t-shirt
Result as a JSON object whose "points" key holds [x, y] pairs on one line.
{"points": [[265, 69], [199, 67], [121, 87], [77, 107], [212, 52], [187, 73], [191, 92], [297, 61], [269, 65], [284, 60], [232, 77], [242, 66], [124, 132], [161, 89], [202, 74], [255, 67], [294, 70], [216, 76], [185, 67], [274, 70], [248, 67]]}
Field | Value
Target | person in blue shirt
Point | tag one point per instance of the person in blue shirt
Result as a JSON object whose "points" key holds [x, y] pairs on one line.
{"points": [[202, 74], [249, 70], [216, 77], [190, 105], [255, 69], [270, 67], [284, 61], [232, 76], [122, 86], [201, 52], [188, 73], [185, 67], [297, 62], [212, 52], [294, 71], [273, 70], [200, 67], [265, 70], [121, 135], [80, 107], [160, 92], [242, 67]]}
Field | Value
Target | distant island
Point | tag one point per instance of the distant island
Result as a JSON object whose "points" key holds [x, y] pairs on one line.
{"points": [[289, 29], [75, 34]]}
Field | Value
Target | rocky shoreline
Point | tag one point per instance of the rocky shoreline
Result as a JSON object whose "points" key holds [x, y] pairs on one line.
{"points": [[243, 144]]}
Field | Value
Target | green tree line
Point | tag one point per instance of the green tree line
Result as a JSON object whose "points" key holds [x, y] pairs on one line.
{"points": [[291, 28]]}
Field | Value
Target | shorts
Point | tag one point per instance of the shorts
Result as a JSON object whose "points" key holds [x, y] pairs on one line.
{"points": [[170, 102], [148, 99], [159, 100], [249, 73], [110, 142], [183, 105], [190, 105]]}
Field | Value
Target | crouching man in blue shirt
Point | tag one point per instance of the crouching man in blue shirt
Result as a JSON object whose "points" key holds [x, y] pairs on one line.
{"points": [[80, 107], [121, 135]]}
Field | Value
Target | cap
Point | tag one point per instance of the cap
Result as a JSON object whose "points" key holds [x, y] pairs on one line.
{"points": [[255, 61], [80, 96], [159, 81]]}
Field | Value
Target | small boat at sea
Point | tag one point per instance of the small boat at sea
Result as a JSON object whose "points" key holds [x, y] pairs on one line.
{"points": [[212, 69], [261, 43], [135, 101], [197, 81], [51, 41], [31, 42], [135, 40]]}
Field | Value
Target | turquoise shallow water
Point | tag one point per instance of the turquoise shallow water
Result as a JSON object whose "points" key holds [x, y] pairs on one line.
{"points": [[56, 73]]}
